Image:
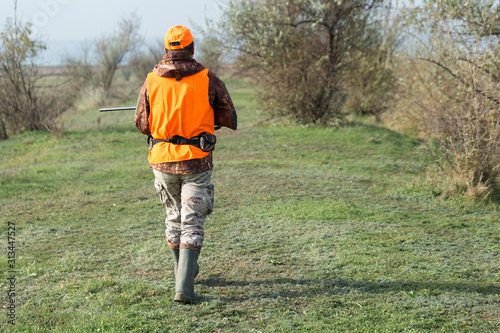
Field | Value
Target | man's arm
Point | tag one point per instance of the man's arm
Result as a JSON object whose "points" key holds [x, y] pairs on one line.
{"points": [[218, 94], [141, 119], [220, 101]]}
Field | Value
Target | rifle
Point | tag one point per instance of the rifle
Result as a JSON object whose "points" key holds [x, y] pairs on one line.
{"points": [[226, 118]]}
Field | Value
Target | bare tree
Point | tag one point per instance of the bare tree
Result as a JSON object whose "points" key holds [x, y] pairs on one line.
{"points": [[96, 65], [26, 104], [111, 49], [81, 69]]}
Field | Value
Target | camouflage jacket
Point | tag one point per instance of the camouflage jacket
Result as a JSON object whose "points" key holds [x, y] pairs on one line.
{"points": [[177, 64]]}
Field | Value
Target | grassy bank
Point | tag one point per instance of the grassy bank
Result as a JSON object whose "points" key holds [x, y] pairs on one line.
{"points": [[315, 229]]}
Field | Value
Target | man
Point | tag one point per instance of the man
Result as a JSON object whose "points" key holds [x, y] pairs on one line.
{"points": [[176, 110]]}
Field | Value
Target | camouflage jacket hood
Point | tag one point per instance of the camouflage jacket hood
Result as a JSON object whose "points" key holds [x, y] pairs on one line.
{"points": [[178, 63]]}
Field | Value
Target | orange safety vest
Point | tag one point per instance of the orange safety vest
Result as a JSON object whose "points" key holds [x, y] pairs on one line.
{"points": [[178, 108]]}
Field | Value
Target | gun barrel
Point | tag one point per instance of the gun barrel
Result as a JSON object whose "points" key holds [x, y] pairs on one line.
{"points": [[222, 117], [125, 108]]}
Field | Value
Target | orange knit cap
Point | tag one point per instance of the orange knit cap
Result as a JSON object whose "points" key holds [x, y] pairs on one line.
{"points": [[178, 37]]}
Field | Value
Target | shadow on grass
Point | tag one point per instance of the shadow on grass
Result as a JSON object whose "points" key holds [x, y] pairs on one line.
{"points": [[301, 288]]}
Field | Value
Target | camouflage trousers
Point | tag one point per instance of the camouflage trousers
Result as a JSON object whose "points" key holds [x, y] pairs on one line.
{"points": [[188, 199]]}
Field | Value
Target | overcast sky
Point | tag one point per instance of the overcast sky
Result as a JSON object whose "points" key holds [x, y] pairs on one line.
{"points": [[87, 19]]}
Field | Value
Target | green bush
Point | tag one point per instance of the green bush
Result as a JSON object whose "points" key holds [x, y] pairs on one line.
{"points": [[303, 52]]}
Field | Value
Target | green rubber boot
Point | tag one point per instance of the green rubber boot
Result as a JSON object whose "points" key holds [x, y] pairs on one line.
{"points": [[184, 279], [175, 256]]}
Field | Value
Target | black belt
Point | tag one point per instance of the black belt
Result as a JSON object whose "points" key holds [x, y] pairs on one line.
{"points": [[204, 141]]}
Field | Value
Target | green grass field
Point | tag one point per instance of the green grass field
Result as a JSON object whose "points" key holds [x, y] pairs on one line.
{"points": [[315, 230]]}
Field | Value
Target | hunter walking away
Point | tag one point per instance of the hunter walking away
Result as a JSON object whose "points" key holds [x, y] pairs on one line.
{"points": [[176, 111]]}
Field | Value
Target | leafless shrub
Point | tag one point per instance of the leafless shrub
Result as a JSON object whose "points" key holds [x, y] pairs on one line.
{"points": [[465, 141], [143, 61], [81, 70], [28, 102], [98, 61], [111, 49], [461, 101]]}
